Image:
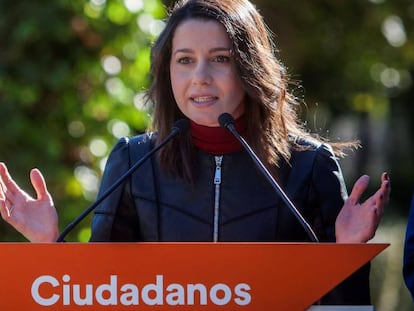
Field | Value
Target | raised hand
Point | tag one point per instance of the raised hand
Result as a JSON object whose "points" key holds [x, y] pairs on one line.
{"points": [[357, 222], [36, 218]]}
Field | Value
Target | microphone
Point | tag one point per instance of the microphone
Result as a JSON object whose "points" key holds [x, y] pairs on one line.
{"points": [[180, 126], [226, 121]]}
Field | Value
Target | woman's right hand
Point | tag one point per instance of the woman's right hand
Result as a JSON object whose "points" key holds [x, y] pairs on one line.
{"points": [[37, 218]]}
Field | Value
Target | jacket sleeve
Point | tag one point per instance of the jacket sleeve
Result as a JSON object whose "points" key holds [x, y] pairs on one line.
{"points": [[408, 264], [116, 219], [315, 183], [118, 163], [328, 195]]}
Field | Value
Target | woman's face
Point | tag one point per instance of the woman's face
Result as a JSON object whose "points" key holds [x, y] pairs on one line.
{"points": [[203, 74]]}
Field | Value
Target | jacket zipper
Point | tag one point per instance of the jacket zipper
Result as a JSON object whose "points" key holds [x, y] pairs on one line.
{"points": [[217, 182]]}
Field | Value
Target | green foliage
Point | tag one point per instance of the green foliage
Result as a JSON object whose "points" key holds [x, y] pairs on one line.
{"points": [[354, 61], [71, 74]]}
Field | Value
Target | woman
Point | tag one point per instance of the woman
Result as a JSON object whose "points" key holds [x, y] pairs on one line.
{"points": [[214, 57]]}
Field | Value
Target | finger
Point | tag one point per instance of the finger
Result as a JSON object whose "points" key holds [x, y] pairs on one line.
{"points": [[2, 198], [5, 209], [2, 195], [382, 195], [386, 184], [2, 174], [39, 184], [381, 201], [8, 182], [358, 189], [4, 191]]}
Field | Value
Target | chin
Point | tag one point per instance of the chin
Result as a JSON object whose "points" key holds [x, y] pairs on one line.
{"points": [[206, 122]]}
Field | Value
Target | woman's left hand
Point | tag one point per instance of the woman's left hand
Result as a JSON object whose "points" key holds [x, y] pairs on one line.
{"points": [[357, 222]]}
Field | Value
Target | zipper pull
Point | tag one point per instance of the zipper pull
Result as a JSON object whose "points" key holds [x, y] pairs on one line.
{"points": [[217, 175]]}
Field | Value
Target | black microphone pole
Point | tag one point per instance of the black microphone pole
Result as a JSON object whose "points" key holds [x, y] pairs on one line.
{"points": [[226, 121], [179, 126]]}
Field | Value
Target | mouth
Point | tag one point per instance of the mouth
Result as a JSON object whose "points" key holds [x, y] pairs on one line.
{"points": [[204, 99]]}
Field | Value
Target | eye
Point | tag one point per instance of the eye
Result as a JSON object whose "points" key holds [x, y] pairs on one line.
{"points": [[184, 60], [221, 59]]}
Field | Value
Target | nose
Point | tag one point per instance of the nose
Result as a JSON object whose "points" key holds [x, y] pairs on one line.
{"points": [[202, 73]]}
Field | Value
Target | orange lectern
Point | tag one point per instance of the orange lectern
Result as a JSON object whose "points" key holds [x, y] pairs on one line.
{"points": [[174, 276]]}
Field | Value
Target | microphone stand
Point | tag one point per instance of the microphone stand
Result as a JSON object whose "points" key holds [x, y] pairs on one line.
{"points": [[179, 126], [227, 121]]}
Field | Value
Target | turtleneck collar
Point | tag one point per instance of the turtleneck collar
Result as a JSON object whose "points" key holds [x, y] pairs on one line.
{"points": [[217, 140]]}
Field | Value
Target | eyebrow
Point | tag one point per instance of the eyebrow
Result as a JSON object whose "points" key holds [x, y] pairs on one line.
{"points": [[213, 50]]}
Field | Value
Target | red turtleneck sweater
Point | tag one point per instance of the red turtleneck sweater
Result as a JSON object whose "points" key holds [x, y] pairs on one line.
{"points": [[217, 140]]}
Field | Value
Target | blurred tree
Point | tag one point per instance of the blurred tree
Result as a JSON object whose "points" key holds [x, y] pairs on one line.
{"points": [[71, 77], [354, 60]]}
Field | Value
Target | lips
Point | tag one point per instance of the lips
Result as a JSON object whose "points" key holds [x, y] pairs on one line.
{"points": [[204, 99]]}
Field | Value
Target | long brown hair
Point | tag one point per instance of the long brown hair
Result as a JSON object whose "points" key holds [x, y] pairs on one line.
{"points": [[270, 108]]}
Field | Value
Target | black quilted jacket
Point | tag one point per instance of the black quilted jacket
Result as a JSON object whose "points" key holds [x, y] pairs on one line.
{"points": [[230, 201]]}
